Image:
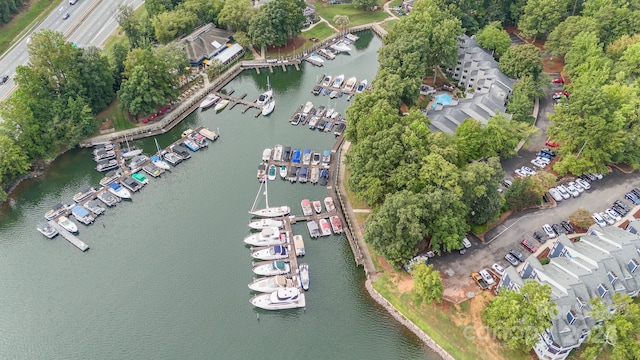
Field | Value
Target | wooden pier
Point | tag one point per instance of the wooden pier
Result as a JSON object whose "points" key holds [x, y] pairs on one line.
{"points": [[69, 236], [240, 100]]}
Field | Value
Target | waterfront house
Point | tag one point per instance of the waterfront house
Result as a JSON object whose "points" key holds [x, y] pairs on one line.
{"points": [[209, 42]]}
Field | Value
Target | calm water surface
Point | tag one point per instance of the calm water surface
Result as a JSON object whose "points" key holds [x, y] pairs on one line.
{"points": [[166, 276]]}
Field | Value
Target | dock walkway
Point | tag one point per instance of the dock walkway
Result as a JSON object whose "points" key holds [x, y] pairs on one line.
{"points": [[69, 236]]}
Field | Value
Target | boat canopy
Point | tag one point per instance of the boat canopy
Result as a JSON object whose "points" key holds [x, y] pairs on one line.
{"points": [[280, 265], [296, 156], [80, 211], [115, 186]]}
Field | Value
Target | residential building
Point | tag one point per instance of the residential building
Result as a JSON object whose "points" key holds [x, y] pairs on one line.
{"points": [[601, 263]]}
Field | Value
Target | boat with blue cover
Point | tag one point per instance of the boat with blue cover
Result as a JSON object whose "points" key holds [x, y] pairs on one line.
{"points": [[304, 173], [275, 252], [191, 145], [119, 191], [82, 214], [296, 156]]}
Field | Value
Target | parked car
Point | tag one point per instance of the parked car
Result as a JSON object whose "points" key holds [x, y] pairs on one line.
{"points": [[572, 190], [521, 173], [544, 160], [608, 219], [636, 192], [544, 155], [527, 170], [511, 259], [518, 255], [507, 183], [567, 227], [558, 228], [479, 280], [529, 245], [555, 194], [466, 242], [548, 151], [599, 219], [623, 205], [538, 163], [590, 177], [598, 176], [540, 237], [551, 144], [584, 184], [631, 197], [558, 80], [549, 231], [498, 269], [619, 209], [72, 2], [486, 276], [563, 192], [577, 186], [613, 214], [4, 79]]}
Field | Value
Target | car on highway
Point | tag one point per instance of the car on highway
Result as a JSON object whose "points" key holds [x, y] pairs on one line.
{"points": [[613, 214], [66, 16], [529, 245], [511, 259], [4, 79], [568, 228], [549, 231], [558, 80], [555, 194], [486, 276], [498, 269], [599, 220]]}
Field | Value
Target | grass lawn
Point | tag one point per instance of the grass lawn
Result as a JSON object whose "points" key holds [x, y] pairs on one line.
{"points": [[119, 117], [356, 15], [320, 32], [388, 23], [9, 33]]}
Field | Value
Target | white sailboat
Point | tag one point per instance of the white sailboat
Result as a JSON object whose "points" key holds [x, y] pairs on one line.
{"points": [[268, 212], [267, 101], [157, 158], [131, 152]]}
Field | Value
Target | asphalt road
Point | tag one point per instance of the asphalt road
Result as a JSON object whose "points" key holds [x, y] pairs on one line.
{"points": [[90, 23]]}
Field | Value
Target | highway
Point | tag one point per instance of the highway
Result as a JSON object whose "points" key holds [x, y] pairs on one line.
{"points": [[90, 22]]}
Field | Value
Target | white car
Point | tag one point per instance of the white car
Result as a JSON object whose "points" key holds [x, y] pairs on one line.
{"points": [[498, 269], [527, 170], [608, 219], [555, 194], [521, 173], [585, 185], [599, 219], [538, 163], [572, 190], [577, 186], [466, 243], [614, 215], [598, 176], [486, 276], [549, 231], [544, 160], [563, 192]]}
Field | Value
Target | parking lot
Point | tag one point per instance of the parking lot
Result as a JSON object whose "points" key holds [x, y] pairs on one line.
{"points": [[456, 268]]}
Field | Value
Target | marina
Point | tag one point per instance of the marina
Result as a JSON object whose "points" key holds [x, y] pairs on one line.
{"points": [[74, 240]]}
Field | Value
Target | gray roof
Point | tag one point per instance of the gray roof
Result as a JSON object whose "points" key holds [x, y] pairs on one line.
{"points": [[204, 43]]}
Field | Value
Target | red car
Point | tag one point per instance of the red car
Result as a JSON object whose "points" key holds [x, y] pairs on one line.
{"points": [[551, 144], [558, 81], [529, 245]]}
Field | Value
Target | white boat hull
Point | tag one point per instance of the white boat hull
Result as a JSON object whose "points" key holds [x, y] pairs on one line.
{"points": [[275, 252], [272, 283], [268, 108], [121, 193], [67, 224], [269, 270], [265, 223], [294, 299], [272, 212], [303, 271]]}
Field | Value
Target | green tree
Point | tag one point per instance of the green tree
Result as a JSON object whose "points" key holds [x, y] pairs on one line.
{"points": [[170, 24], [540, 17], [237, 15], [262, 32], [520, 195], [493, 37], [369, 113], [618, 330], [117, 57], [137, 28], [521, 60], [617, 48], [469, 140], [614, 18], [214, 69], [242, 38], [96, 79], [365, 4], [446, 221], [502, 135], [581, 218], [479, 182], [13, 161], [519, 105], [427, 283], [341, 20], [519, 317], [174, 57], [561, 38]]}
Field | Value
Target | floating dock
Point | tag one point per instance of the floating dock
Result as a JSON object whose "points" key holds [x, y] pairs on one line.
{"points": [[69, 236]]}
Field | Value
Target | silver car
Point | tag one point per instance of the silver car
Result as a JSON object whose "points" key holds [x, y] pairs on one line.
{"points": [[563, 192], [549, 231], [599, 219], [572, 190], [555, 194]]}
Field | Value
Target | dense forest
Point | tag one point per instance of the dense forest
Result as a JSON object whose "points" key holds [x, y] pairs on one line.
{"points": [[9, 8]]}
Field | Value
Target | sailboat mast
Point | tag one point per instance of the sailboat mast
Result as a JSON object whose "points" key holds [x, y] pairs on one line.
{"points": [[266, 194]]}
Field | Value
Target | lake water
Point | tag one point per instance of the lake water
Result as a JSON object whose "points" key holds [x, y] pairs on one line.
{"points": [[166, 276]]}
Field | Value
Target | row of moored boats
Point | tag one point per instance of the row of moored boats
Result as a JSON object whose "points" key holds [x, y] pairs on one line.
{"points": [[338, 86], [322, 119], [324, 226], [294, 165], [329, 52], [265, 101]]}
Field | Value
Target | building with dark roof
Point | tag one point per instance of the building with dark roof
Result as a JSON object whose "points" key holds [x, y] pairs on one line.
{"points": [[206, 43], [603, 262]]}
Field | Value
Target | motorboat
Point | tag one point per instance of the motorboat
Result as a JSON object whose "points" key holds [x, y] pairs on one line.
{"points": [[298, 243], [262, 172], [110, 177], [317, 206], [266, 237], [152, 170], [221, 105], [199, 139], [272, 283], [315, 59], [277, 153], [328, 204], [295, 120], [209, 134], [181, 151], [306, 156], [104, 155], [337, 82], [320, 124], [82, 214], [172, 157], [328, 126], [266, 96], [268, 107], [191, 145], [295, 158], [158, 162], [283, 171], [270, 268], [333, 94], [340, 47], [57, 210], [84, 194], [315, 158], [336, 224], [287, 298], [275, 252], [303, 274], [350, 84], [105, 165], [363, 85], [119, 191], [137, 161], [324, 177], [307, 107], [95, 206], [303, 176], [260, 224], [312, 226], [327, 54], [131, 184], [266, 154], [271, 212], [327, 80], [209, 101], [187, 133], [139, 177], [307, 210], [102, 147], [339, 129], [47, 230], [292, 173], [326, 158], [108, 198], [315, 174], [286, 153], [320, 111], [272, 173], [67, 224], [130, 153], [325, 227]]}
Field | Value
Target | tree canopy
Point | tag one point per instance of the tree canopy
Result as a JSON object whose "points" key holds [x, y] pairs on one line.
{"points": [[521, 60], [493, 37], [427, 283]]}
